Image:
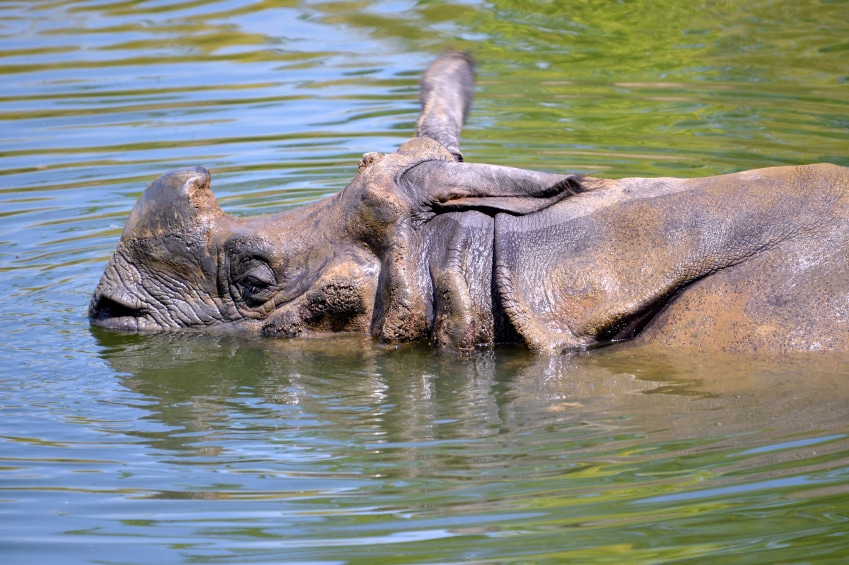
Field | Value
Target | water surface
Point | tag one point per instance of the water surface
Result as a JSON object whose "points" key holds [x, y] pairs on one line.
{"points": [[171, 449]]}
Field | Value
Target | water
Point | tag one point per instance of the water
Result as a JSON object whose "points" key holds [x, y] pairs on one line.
{"points": [[133, 449]]}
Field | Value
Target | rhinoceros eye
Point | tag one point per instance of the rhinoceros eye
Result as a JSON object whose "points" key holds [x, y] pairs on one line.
{"points": [[256, 280]]}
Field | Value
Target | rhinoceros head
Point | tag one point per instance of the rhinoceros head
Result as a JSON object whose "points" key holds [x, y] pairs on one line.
{"points": [[181, 263]]}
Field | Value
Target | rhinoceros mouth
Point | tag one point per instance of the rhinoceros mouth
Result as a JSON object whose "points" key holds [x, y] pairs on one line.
{"points": [[119, 313]]}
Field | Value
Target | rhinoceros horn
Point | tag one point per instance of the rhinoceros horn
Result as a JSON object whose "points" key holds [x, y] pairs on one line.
{"points": [[178, 199]]}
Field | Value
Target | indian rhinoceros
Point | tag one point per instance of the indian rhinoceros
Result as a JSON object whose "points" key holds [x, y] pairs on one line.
{"points": [[422, 245]]}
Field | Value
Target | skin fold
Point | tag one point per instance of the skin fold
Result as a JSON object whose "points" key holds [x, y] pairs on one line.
{"points": [[422, 245]]}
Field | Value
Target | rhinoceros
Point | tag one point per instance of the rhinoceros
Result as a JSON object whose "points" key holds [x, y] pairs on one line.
{"points": [[424, 245]]}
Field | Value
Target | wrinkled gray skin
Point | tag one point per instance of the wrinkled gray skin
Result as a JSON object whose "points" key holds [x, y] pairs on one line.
{"points": [[423, 245]]}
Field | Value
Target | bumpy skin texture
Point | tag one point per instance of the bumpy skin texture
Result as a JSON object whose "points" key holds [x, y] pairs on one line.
{"points": [[422, 245], [753, 261]]}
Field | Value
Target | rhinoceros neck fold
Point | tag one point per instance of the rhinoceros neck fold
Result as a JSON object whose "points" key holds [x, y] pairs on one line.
{"points": [[459, 249], [450, 279]]}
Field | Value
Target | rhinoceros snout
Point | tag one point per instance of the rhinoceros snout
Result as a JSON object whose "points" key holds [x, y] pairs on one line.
{"points": [[115, 312]]}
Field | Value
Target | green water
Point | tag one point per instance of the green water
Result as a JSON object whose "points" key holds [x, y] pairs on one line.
{"points": [[191, 449]]}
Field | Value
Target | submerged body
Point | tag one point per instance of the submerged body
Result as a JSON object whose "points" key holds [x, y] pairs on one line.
{"points": [[422, 245], [752, 261]]}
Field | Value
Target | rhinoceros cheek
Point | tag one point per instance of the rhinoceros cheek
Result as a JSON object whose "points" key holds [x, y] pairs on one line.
{"points": [[316, 316], [284, 322], [342, 300]]}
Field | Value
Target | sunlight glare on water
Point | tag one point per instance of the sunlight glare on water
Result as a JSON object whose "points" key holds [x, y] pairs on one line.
{"points": [[168, 449]]}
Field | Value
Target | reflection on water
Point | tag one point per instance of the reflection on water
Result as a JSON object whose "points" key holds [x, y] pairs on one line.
{"points": [[131, 449], [322, 446], [406, 393]]}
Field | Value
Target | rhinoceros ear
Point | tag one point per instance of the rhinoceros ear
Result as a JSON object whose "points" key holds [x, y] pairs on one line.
{"points": [[458, 186], [176, 201], [447, 89]]}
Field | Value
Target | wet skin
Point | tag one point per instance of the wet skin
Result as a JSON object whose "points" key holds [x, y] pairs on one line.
{"points": [[422, 245]]}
